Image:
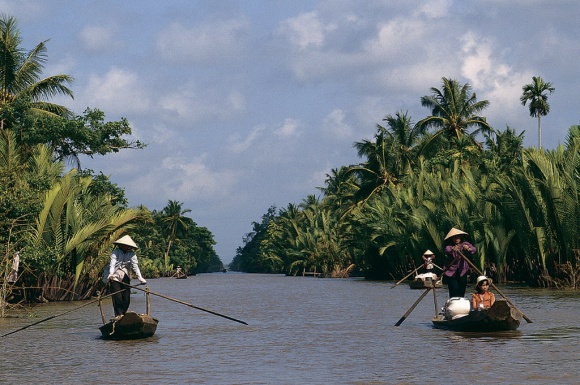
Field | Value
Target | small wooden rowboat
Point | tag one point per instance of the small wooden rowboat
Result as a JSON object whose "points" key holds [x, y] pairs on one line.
{"points": [[500, 317], [425, 281], [129, 327]]}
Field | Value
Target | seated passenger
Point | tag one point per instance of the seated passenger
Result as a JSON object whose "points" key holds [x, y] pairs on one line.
{"points": [[483, 298]]}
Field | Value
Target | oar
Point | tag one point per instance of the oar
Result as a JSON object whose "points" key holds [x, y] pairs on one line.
{"points": [[412, 307], [58, 315], [407, 276], [495, 287], [190, 305]]}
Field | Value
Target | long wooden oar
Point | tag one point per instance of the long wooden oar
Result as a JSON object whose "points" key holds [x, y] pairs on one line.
{"points": [[190, 305], [407, 276], [495, 287], [412, 307], [58, 315]]}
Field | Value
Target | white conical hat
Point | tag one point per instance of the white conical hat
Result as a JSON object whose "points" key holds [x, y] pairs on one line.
{"points": [[126, 240], [428, 252], [454, 232]]}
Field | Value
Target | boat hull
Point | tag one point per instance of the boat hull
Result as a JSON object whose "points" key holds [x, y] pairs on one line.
{"points": [[420, 284], [425, 281], [129, 327], [500, 317]]}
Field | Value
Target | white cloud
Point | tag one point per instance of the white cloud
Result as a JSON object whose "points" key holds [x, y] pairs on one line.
{"points": [[436, 8], [236, 144], [335, 125], [306, 30], [395, 38], [492, 79], [215, 40], [289, 128], [193, 104], [119, 90], [98, 38], [187, 179]]}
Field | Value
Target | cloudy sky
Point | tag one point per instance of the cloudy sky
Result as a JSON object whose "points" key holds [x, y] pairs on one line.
{"points": [[248, 104]]}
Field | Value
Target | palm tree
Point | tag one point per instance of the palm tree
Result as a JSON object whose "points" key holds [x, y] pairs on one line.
{"points": [[74, 228], [535, 93], [454, 112], [404, 136], [175, 220], [20, 76]]}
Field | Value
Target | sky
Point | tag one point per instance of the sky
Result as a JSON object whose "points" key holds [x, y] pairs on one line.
{"points": [[250, 104]]}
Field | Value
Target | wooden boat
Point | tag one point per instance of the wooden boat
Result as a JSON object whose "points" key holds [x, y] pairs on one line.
{"points": [[500, 317], [425, 281], [129, 327], [179, 274]]}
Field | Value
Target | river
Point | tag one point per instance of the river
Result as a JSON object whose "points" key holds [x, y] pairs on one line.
{"points": [[301, 330]]}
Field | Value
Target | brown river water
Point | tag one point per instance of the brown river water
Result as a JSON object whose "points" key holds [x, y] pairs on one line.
{"points": [[302, 330]]}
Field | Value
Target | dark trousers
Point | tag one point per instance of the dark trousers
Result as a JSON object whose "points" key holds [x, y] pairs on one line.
{"points": [[122, 298], [456, 285]]}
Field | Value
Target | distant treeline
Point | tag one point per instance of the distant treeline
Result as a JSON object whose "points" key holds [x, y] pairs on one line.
{"points": [[521, 206]]}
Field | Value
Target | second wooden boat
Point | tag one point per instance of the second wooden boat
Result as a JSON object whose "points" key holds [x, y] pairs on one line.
{"points": [[500, 317], [425, 281]]}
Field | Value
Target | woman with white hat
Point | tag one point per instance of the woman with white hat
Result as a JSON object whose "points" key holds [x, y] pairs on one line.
{"points": [[482, 298], [123, 259], [456, 267]]}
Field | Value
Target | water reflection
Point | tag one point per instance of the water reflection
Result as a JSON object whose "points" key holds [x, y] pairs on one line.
{"points": [[301, 331]]}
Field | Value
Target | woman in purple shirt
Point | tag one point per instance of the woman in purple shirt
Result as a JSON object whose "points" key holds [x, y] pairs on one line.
{"points": [[456, 267]]}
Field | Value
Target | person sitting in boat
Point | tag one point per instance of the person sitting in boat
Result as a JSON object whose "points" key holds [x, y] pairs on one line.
{"points": [[123, 259], [428, 258], [455, 268], [482, 298]]}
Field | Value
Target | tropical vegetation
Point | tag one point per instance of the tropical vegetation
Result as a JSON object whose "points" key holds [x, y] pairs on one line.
{"points": [[521, 206], [61, 221]]}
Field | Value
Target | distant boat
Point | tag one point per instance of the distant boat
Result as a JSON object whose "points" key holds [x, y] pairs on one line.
{"points": [[129, 327], [501, 316], [179, 274], [425, 281]]}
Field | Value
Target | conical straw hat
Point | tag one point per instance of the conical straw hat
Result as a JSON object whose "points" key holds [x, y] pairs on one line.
{"points": [[428, 252], [454, 232], [126, 240]]}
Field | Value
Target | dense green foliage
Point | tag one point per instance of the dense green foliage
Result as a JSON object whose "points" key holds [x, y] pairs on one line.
{"points": [[521, 206], [62, 222]]}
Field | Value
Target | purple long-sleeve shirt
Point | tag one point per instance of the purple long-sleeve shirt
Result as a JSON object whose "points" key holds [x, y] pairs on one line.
{"points": [[455, 264]]}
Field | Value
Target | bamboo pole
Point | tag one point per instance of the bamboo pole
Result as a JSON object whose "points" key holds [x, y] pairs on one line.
{"points": [[412, 307], [58, 315], [495, 287], [407, 276], [188, 304]]}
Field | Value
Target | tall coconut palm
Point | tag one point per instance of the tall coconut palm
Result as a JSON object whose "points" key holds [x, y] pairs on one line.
{"points": [[404, 136], [537, 94], [175, 221], [20, 73], [454, 111]]}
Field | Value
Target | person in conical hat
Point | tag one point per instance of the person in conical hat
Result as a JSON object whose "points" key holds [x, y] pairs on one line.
{"points": [[123, 260], [127, 241], [455, 268], [428, 258], [454, 232]]}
